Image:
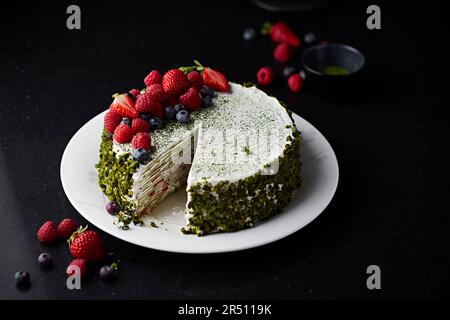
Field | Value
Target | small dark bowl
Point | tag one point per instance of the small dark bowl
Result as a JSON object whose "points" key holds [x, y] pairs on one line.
{"points": [[333, 69]]}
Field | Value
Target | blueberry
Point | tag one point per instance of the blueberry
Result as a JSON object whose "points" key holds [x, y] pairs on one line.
{"points": [[206, 102], [145, 116], [156, 123], [287, 71], [141, 155], [179, 107], [183, 116], [113, 208], [170, 112], [22, 278], [45, 260], [126, 121], [310, 38], [249, 34], [207, 92], [107, 273], [302, 74]]}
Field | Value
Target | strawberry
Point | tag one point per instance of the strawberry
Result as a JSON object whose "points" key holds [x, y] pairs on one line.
{"points": [[123, 133], [142, 141], [195, 78], [191, 99], [175, 82], [123, 105], [281, 32], [139, 125], [295, 82], [265, 76], [48, 232], [154, 77], [156, 92], [283, 52], [215, 79], [86, 244], [80, 263], [112, 120], [66, 228]]}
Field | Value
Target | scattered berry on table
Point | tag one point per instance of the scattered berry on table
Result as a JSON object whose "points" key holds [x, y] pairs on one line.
{"points": [[140, 125], [123, 133], [175, 82], [295, 82], [206, 102], [215, 79], [249, 34], [142, 141], [45, 260], [113, 208], [191, 99], [265, 76], [207, 91], [281, 32], [183, 116], [124, 106], [141, 155], [145, 116], [156, 92], [48, 232], [127, 121], [66, 228], [283, 52], [302, 74], [154, 77], [170, 112], [309, 38], [81, 264], [112, 120], [179, 107], [287, 71], [86, 244], [22, 278], [156, 123], [107, 273], [135, 93], [195, 78]]}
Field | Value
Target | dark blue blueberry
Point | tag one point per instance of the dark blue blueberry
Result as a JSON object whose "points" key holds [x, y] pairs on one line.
{"points": [[141, 155], [113, 208], [207, 92], [145, 116], [156, 123], [45, 260], [206, 102], [179, 107], [249, 34], [126, 121], [288, 71], [108, 273], [310, 38], [22, 278], [302, 74], [183, 116], [170, 112]]}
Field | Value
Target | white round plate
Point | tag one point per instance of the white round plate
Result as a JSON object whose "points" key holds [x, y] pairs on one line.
{"points": [[320, 176]]}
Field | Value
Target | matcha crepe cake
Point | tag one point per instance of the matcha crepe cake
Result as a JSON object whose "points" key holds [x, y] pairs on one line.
{"points": [[234, 148]]}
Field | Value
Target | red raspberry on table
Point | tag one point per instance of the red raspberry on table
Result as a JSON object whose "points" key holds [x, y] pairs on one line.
{"points": [[139, 125], [154, 77], [195, 78], [281, 32], [112, 120], [135, 93], [48, 232], [265, 76], [86, 244], [156, 92], [295, 82], [142, 141], [175, 82], [283, 52], [123, 133], [191, 99], [66, 228], [80, 263]]}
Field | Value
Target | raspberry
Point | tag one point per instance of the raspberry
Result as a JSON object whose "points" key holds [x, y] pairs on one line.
{"points": [[47, 232], [175, 82], [66, 228], [80, 263], [195, 79], [295, 82], [112, 120], [191, 99], [265, 76], [142, 141], [171, 101], [146, 104], [140, 125], [135, 93], [156, 92], [283, 52], [123, 133], [154, 77]]}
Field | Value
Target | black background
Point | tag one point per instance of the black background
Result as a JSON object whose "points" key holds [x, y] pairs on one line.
{"points": [[391, 207]]}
